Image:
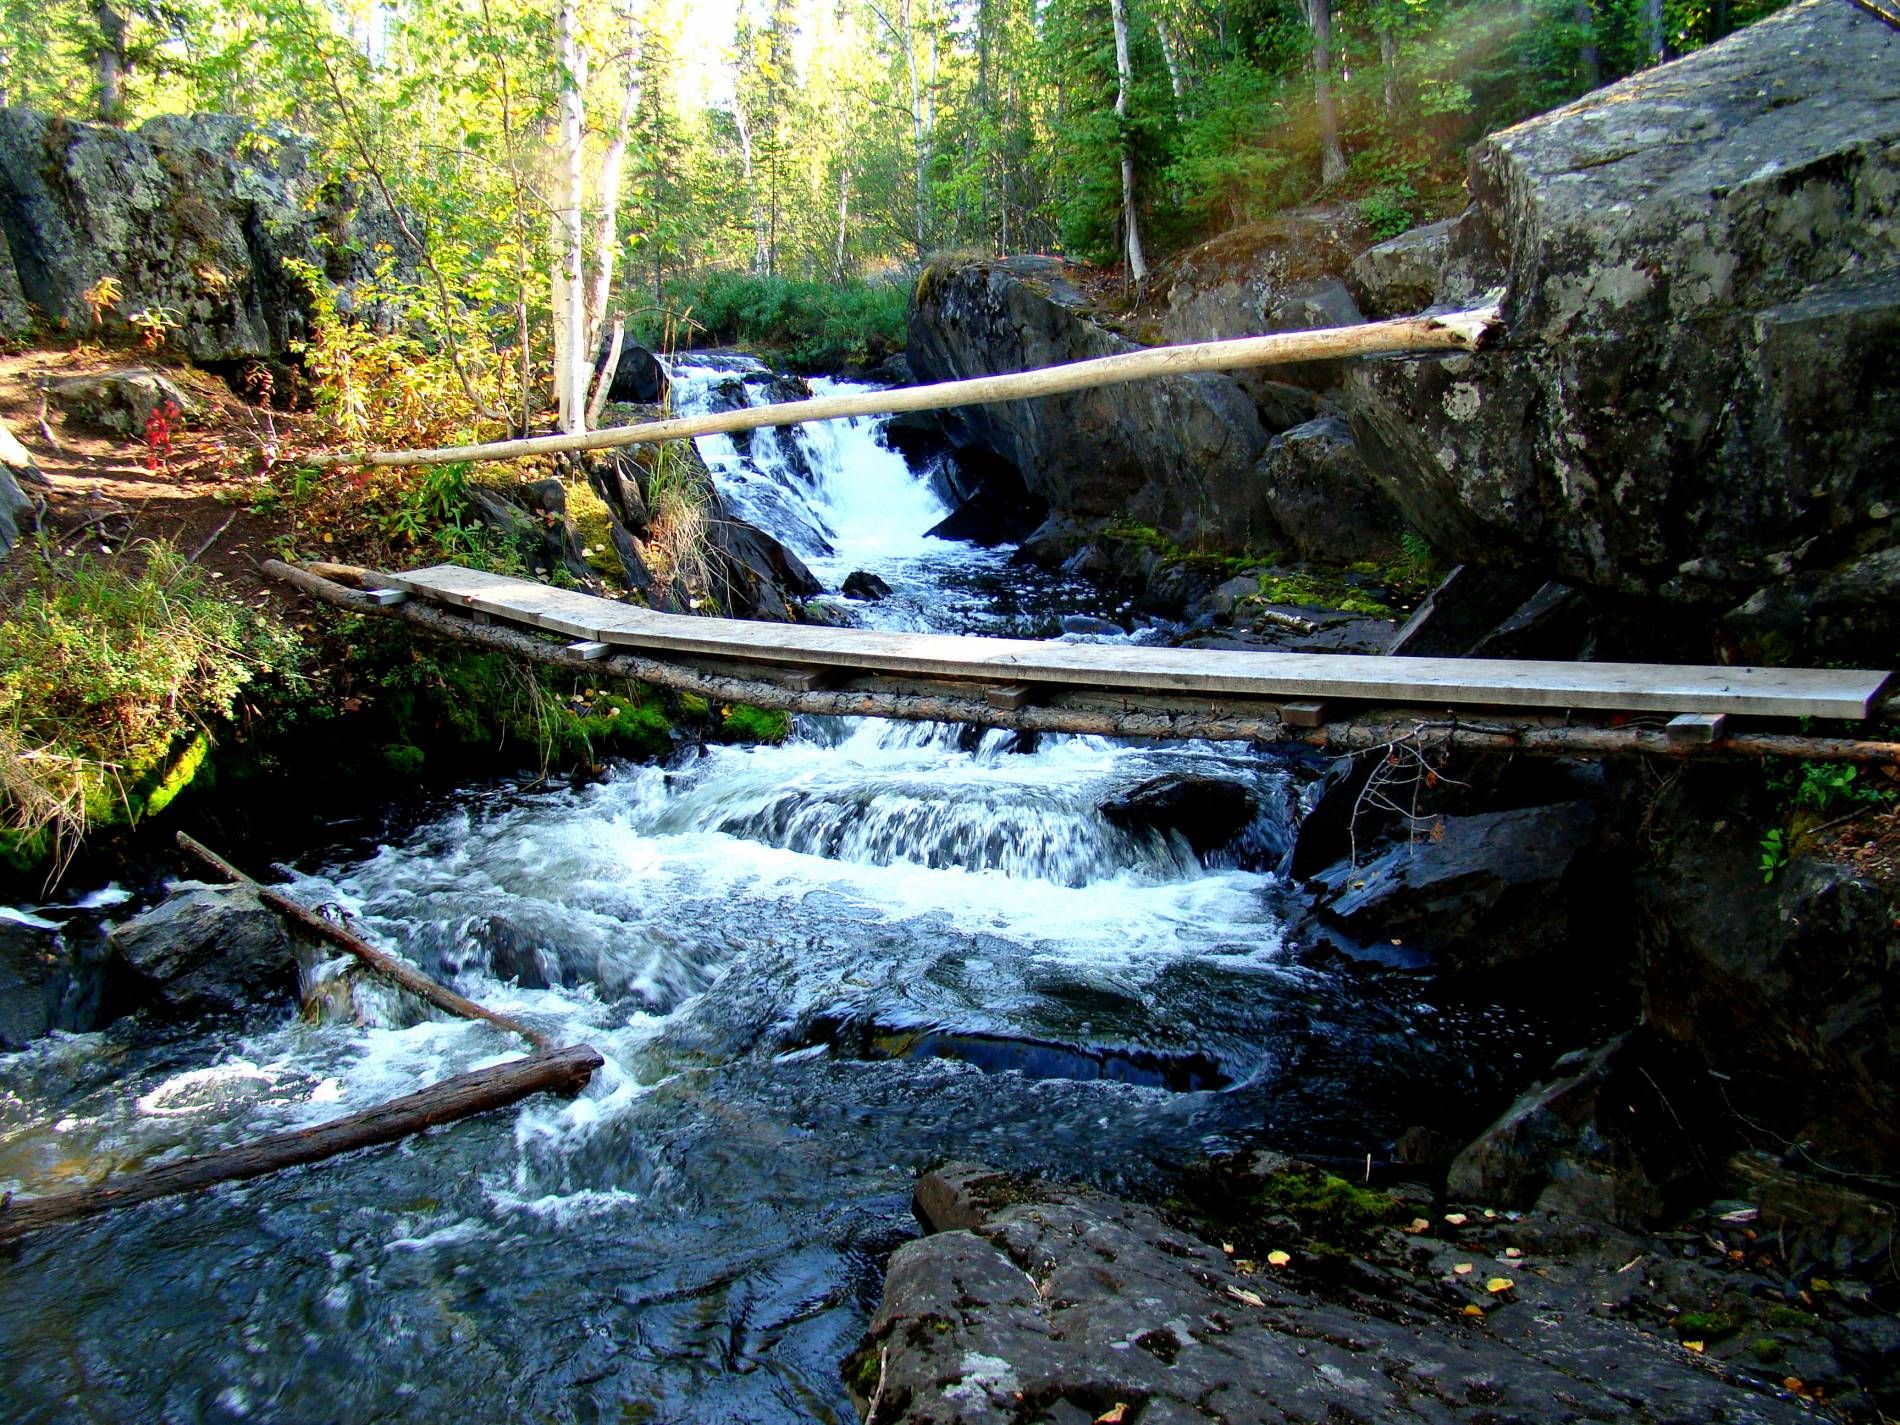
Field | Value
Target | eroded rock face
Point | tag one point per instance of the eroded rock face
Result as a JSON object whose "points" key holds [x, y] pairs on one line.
{"points": [[1400, 276], [1322, 497], [1700, 390], [201, 216], [1177, 453]]}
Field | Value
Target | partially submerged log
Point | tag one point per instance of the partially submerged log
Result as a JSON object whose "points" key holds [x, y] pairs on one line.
{"points": [[556, 1070], [1453, 331], [1099, 714], [388, 966]]}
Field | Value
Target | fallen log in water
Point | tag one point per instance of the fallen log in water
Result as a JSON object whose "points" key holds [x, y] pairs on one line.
{"points": [[388, 966], [1099, 714], [1451, 331], [557, 1070]]}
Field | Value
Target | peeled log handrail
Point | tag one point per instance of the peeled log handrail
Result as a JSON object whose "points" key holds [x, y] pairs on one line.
{"points": [[1105, 717], [1453, 331], [562, 1070], [388, 966]]}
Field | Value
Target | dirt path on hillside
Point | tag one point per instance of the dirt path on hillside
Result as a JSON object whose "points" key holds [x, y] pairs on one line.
{"points": [[106, 494]]}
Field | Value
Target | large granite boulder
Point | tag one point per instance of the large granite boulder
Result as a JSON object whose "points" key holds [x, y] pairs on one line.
{"points": [[1177, 453], [204, 216], [203, 951], [1699, 394], [1322, 496]]}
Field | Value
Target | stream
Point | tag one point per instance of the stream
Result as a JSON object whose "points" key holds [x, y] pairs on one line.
{"points": [[813, 969]]}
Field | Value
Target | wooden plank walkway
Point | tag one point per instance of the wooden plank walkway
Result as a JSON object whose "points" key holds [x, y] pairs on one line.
{"points": [[1429, 682]]}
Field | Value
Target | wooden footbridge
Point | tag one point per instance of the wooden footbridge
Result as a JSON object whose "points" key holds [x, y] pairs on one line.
{"points": [[1340, 700], [1329, 700]]}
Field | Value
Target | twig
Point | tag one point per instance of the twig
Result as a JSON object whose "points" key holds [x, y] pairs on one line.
{"points": [[210, 539]]}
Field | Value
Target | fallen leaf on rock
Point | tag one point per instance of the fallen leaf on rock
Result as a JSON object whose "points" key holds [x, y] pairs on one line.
{"points": [[1114, 1415], [1794, 1383], [1463, 1269], [1240, 1293], [1513, 1253], [1419, 1224], [1498, 1284], [1228, 1248], [1474, 1310], [1456, 1219], [1245, 1266], [1278, 1259], [1696, 1346]]}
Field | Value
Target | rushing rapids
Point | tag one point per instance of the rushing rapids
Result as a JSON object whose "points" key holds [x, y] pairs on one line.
{"points": [[813, 969]]}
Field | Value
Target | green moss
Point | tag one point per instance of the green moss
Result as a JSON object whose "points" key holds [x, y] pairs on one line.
{"points": [[1790, 1318], [1768, 1350], [1328, 1214], [404, 759], [861, 1370], [1311, 591], [744, 723], [175, 778], [1706, 1325]]}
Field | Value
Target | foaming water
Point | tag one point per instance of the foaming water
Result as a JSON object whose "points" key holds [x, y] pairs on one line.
{"points": [[812, 969]]}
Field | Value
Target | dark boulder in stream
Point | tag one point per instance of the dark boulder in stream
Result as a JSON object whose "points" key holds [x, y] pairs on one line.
{"points": [[32, 967], [1208, 811], [859, 584], [204, 950]]}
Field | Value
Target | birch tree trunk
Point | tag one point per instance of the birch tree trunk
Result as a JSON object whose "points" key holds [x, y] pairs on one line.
{"points": [[612, 165], [1174, 64], [572, 352], [844, 222], [1389, 71], [751, 185], [1124, 77], [109, 64]]}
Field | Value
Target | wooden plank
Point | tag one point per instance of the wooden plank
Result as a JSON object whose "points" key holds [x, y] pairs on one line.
{"points": [[1697, 727], [1009, 696], [1429, 682], [1308, 714], [387, 597], [590, 649]]}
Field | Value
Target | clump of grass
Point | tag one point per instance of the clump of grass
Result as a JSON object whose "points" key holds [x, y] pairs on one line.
{"points": [[112, 674]]}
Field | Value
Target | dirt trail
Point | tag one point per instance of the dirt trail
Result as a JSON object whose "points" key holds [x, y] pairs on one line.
{"points": [[105, 494]]}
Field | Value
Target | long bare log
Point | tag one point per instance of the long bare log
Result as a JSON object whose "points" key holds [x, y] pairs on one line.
{"points": [[557, 1070], [1455, 331], [388, 966], [1100, 714]]}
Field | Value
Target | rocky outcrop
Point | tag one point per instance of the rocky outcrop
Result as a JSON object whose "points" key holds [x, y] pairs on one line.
{"points": [[1699, 395], [204, 218], [32, 970], [203, 951], [1176, 453], [1321, 496], [1400, 276], [1798, 1010], [120, 401], [1208, 811], [1036, 1305]]}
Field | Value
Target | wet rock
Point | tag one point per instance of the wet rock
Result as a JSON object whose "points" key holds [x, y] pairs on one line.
{"points": [[203, 951], [1851, 607], [1400, 276], [1820, 1220], [1556, 622], [120, 401], [757, 576], [998, 507], [917, 435], [631, 553], [1208, 811], [1322, 497], [1035, 1303], [1699, 395], [32, 976], [1088, 626], [639, 376], [1622, 1133], [1462, 611], [892, 370], [1479, 891], [1796, 1010], [203, 216], [1177, 453], [510, 952], [772, 388], [859, 584]]}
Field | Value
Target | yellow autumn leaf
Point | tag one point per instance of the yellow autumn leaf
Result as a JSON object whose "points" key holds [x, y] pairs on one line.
{"points": [[1474, 1311], [1278, 1259], [1114, 1415], [1695, 1346], [1498, 1284], [1456, 1219], [1419, 1224], [1463, 1269]]}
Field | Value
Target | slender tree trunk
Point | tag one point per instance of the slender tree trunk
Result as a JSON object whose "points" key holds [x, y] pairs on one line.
{"points": [[1653, 31], [1332, 158], [1588, 61], [612, 165], [1124, 78], [109, 65], [1389, 70], [573, 353], [844, 223], [759, 256], [1169, 58], [919, 133]]}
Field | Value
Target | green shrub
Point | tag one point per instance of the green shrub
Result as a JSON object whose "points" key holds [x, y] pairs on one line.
{"points": [[112, 674], [744, 723], [817, 326]]}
